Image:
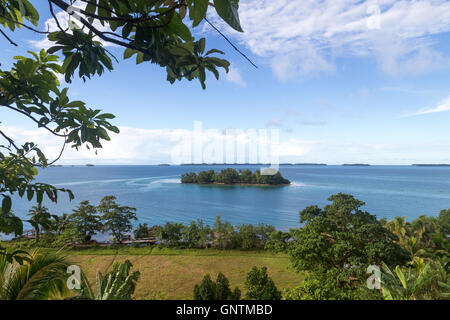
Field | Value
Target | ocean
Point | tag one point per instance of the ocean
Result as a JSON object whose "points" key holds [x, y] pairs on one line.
{"points": [[158, 195]]}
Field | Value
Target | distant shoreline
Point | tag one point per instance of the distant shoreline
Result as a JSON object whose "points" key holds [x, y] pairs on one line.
{"points": [[254, 164], [239, 184], [431, 165]]}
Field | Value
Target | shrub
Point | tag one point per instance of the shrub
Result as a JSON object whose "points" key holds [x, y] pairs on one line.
{"points": [[219, 290], [260, 286]]}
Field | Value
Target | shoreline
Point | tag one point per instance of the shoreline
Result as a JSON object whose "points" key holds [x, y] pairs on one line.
{"points": [[240, 184]]}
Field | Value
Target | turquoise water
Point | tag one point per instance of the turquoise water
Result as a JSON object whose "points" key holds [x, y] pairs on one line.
{"points": [[155, 191]]}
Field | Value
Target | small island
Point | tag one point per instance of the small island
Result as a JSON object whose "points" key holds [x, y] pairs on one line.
{"points": [[233, 177]]}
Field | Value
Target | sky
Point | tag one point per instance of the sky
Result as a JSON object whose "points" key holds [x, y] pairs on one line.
{"points": [[342, 81]]}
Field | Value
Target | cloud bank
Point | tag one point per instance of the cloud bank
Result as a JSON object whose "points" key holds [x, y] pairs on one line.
{"points": [[306, 37], [145, 146]]}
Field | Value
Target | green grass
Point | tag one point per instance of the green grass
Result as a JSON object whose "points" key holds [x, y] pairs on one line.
{"points": [[169, 273], [172, 273], [166, 251]]}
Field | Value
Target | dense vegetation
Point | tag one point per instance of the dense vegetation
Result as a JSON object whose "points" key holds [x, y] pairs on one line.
{"points": [[258, 284], [332, 249], [232, 176], [218, 290]]}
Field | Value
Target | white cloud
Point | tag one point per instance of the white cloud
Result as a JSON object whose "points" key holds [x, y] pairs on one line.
{"points": [[441, 107], [63, 19], [299, 37], [144, 146], [234, 76]]}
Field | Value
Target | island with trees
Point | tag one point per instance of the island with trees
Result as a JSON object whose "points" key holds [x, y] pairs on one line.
{"points": [[231, 176]]}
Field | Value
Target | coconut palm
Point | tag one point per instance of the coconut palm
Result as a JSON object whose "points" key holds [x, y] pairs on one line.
{"points": [[41, 219], [44, 277]]}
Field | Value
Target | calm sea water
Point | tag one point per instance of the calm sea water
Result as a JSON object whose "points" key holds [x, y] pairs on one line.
{"points": [[156, 192]]}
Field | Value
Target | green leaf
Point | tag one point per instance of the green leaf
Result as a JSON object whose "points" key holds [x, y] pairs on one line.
{"points": [[401, 276], [128, 53], [197, 11], [214, 51], [6, 204], [228, 11], [126, 30], [139, 58], [178, 27]]}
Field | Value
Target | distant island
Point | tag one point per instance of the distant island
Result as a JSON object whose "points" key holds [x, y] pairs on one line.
{"points": [[252, 164], [356, 165], [232, 177], [224, 164], [431, 165], [89, 165], [163, 165]]}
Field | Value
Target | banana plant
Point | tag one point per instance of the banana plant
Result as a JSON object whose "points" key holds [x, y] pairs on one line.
{"points": [[117, 284], [403, 285]]}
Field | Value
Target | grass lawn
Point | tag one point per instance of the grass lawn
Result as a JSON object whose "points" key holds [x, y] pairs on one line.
{"points": [[172, 273]]}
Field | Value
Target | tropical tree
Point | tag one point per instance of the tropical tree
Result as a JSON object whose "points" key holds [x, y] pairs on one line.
{"points": [[142, 231], [342, 236], [116, 219], [337, 244], [260, 286], [41, 219], [224, 235], [218, 290], [172, 233], [42, 276], [32, 89], [443, 221], [85, 220]]}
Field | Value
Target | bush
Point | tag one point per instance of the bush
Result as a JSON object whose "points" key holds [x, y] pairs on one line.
{"points": [[219, 290], [260, 286], [335, 284], [277, 241], [172, 233], [142, 231]]}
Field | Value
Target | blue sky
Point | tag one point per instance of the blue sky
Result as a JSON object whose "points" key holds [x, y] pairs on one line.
{"points": [[341, 82]]}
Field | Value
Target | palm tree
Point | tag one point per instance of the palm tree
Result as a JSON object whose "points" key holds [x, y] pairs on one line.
{"points": [[40, 219], [44, 277], [61, 223]]}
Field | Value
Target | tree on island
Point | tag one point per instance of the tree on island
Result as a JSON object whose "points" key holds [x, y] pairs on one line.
{"points": [[231, 176], [116, 219]]}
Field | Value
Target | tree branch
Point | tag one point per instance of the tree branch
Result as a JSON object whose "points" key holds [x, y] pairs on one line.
{"points": [[8, 38], [24, 25], [35, 120]]}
